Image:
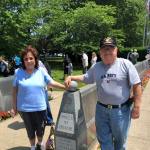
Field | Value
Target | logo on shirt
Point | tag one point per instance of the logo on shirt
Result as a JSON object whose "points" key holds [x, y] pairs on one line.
{"points": [[108, 77]]}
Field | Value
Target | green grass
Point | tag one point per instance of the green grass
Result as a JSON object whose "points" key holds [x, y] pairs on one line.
{"points": [[58, 76], [56, 64]]}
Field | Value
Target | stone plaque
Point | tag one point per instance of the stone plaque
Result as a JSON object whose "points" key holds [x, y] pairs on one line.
{"points": [[65, 144], [66, 123]]}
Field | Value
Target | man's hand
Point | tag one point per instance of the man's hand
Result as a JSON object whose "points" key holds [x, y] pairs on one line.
{"points": [[135, 112], [137, 93], [68, 81]]}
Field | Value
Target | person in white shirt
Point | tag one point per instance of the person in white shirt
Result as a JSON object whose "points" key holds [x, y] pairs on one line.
{"points": [[93, 59], [84, 62]]}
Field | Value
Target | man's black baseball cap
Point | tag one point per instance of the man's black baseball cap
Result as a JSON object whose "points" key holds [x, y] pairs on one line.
{"points": [[108, 41]]}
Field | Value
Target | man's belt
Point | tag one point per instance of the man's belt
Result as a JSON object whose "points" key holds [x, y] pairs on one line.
{"points": [[128, 102]]}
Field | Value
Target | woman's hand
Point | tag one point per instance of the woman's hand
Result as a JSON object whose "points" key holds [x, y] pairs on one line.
{"points": [[13, 112]]}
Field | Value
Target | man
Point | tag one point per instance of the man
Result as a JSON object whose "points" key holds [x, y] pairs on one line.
{"points": [[129, 54], [4, 71], [134, 56], [114, 77], [84, 62]]}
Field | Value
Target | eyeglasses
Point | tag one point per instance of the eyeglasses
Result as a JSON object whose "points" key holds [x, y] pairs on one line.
{"points": [[30, 58]]}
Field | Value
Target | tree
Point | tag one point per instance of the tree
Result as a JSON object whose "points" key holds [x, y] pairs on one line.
{"points": [[134, 22], [130, 19], [88, 25], [17, 23], [69, 25], [78, 28]]}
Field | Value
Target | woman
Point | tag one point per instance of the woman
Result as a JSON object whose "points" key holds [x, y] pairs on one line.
{"points": [[29, 95], [93, 59], [4, 71]]}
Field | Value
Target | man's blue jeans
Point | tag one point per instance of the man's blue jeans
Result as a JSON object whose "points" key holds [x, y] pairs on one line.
{"points": [[112, 126]]}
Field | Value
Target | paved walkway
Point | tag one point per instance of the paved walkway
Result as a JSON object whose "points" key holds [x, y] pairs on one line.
{"points": [[139, 135], [13, 134], [12, 131]]}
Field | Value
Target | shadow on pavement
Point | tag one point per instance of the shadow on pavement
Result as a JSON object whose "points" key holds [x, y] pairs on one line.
{"points": [[19, 148], [16, 125]]}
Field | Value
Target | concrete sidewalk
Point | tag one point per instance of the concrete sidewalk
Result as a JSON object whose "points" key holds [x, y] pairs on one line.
{"points": [[139, 134], [12, 131], [13, 135]]}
